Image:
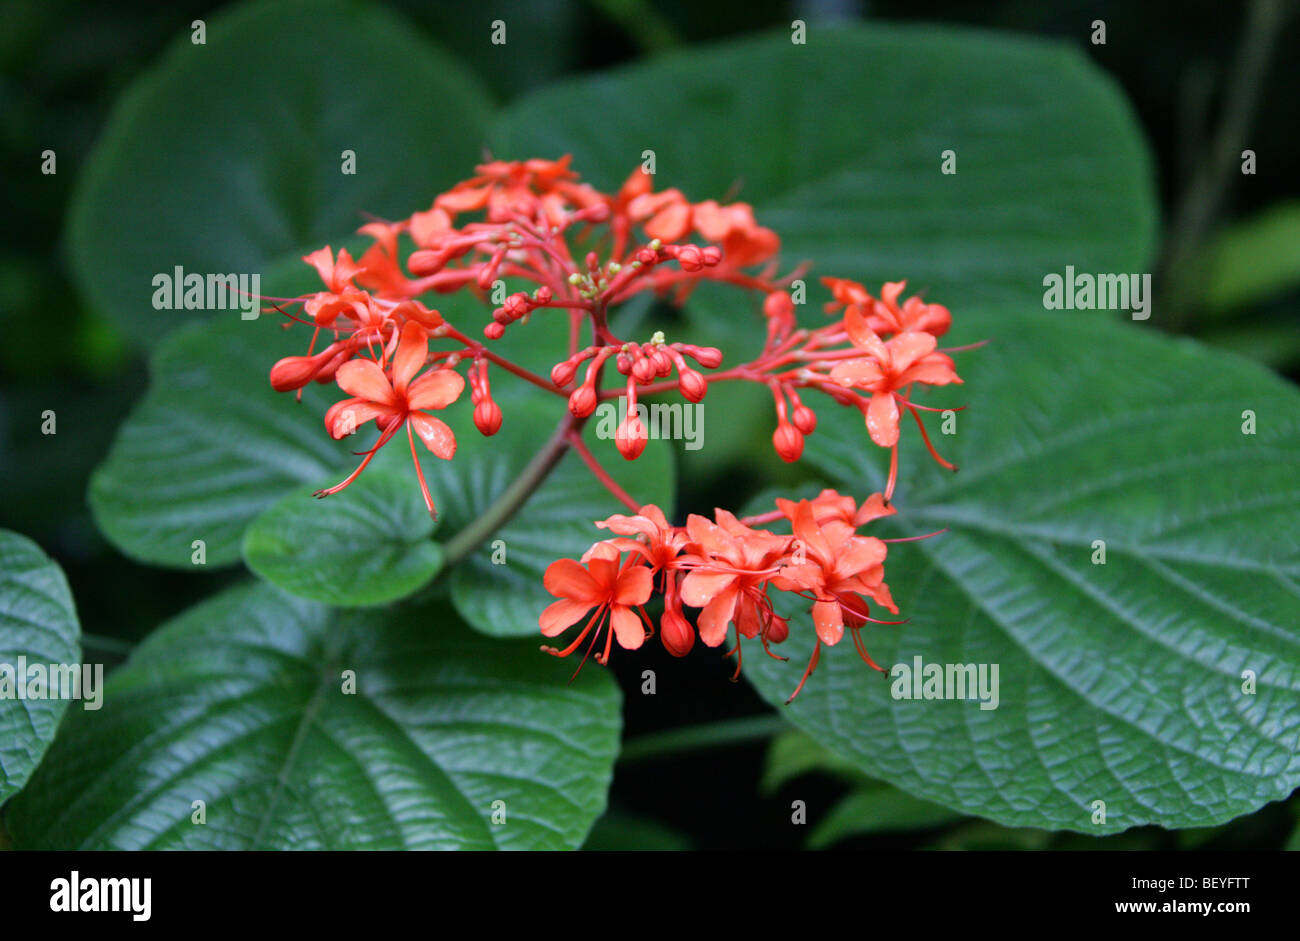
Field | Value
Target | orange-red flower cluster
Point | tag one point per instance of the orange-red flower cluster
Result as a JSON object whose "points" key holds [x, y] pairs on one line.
{"points": [[572, 255], [725, 567]]}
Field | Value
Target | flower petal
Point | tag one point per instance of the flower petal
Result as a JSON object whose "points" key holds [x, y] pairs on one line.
{"points": [[435, 434], [828, 620], [435, 389], [634, 585], [412, 350], [702, 586], [565, 578], [906, 348], [882, 419], [716, 616], [364, 379], [561, 615], [627, 627]]}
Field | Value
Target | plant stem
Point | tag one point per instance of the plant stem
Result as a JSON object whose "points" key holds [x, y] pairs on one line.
{"points": [[514, 496], [729, 732]]}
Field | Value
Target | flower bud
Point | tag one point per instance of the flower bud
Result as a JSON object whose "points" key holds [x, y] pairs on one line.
{"points": [[487, 417], [676, 632], [294, 372], [692, 385], [663, 364], [630, 438], [788, 442], [690, 258], [805, 419], [494, 331], [643, 370], [707, 356], [582, 402], [562, 373]]}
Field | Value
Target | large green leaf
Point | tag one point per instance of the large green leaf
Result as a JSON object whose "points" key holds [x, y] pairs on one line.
{"points": [[38, 622], [838, 144], [367, 545], [241, 703], [227, 157], [211, 445], [1120, 682]]}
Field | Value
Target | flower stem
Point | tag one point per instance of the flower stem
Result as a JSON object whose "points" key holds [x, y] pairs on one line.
{"points": [[513, 497]]}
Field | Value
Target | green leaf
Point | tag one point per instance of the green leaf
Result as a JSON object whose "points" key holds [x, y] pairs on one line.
{"points": [[877, 808], [852, 128], [1255, 259], [793, 754], [211, 445], [241, 702], [1122, 682], [368, 545], [505, 597], [227, 157], [38, 622]]}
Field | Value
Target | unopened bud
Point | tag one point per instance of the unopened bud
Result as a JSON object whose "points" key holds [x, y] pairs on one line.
{"points": [[582, 402], [630, 438], [676, 632], [709, 357], [487, 417], [788, 442], [692, 385], [562, 373], [805, 419]]}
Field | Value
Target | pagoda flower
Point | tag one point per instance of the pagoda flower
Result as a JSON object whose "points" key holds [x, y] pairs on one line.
{"points": [[744, 242], [884, 316], [888, 367], [838, 570], [616, 592], [728, 567], [831, 508], [324, 307], [394, 399]]}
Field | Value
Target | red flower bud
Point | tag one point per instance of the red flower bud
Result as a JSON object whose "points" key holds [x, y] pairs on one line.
{"points": [[487, 417], [294, 372], [631, 437], [676, 632], [805, 419], [494, 331], [643, 370], [693, 386], [788, 442], [707, 356], [562, 373], [582, 402], [662, 362]]}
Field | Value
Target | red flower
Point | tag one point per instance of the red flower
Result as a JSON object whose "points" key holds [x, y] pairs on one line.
{"points": [[729, 568], [836, 567], [884, 315], [603, 584], [889, 366], [396, 403]]}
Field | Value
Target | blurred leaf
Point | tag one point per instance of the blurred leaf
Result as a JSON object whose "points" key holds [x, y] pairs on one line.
{"points": [[241, 702], [794, 753], [877, 808], [1120, 682], [211, 445], [227, 157], [38, 622], [366, 545], [1255, 259], [616, 832], [1275, 344]]}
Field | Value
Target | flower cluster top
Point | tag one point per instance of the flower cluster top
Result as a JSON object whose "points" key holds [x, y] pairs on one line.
{"points": [[584, 253]]}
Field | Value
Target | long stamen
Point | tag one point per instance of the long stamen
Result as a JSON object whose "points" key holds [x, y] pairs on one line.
{"points": [[812, 665], [419, 472], [928, 446], [383, 439]]}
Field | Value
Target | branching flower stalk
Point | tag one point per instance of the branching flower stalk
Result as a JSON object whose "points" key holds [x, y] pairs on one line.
{"points": [[586, 253]]}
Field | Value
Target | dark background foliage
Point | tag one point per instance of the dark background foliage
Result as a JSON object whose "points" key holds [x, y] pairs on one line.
{"points": [[1185, 66]]}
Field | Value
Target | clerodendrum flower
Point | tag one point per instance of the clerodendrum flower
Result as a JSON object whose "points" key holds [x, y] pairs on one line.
{"points": [[615, 592], [582, 254], [396, 402]]}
